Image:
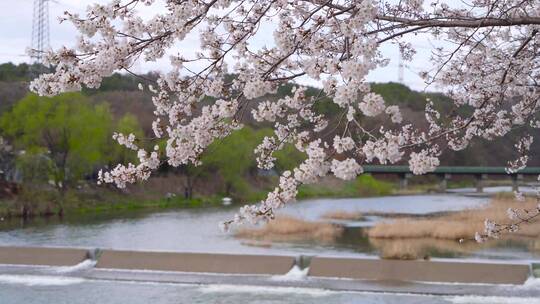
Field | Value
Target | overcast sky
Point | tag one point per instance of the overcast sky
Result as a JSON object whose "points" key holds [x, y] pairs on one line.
{"points": [[16, 31]]}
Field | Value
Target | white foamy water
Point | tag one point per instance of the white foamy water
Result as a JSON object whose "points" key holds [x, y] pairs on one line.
{"points": [[295, 274], [38, 280], [530, 284], [222, 288], [492, 300], [84, 265]]}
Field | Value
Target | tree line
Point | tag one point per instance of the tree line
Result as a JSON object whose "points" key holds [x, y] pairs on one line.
{"points": [[64, 140]]}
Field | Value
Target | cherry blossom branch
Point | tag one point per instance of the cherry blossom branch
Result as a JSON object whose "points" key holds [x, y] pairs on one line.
{"points": [[518, 217], [490, 72]]}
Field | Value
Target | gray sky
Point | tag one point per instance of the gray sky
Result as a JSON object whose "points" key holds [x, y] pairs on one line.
{"points": [[16, 29]]}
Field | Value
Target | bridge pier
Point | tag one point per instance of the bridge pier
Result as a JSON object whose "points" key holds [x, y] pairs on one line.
{"points": [[404, 180], [480, 182], [443, 184], [516, 178]]}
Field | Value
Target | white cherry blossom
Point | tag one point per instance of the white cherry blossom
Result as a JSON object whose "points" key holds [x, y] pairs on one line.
{"points": [[489, 66]]}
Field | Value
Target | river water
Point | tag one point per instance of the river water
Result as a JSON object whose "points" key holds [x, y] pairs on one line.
{"points": [[196, 230]]}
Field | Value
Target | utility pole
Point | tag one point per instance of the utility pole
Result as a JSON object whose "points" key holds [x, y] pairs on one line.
{"points": [[40, 35]]}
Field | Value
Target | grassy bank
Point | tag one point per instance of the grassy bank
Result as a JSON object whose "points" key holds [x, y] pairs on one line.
{"points": [[89, 198], [363, 186], [47, 203]]}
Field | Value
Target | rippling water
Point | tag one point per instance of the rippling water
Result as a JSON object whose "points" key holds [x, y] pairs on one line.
{"points": [[197, 230]]}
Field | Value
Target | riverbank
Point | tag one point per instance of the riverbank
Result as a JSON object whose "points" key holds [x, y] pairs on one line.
{"points": [[89, 198], [162, 193], [48, 203]]}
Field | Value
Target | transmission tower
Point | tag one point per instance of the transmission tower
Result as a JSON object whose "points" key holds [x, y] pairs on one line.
{"points": [[40, 33], [401, 70]]}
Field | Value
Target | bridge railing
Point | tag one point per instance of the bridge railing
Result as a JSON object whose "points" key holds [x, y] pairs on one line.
{"points": [[464, 170], [445, 173]]}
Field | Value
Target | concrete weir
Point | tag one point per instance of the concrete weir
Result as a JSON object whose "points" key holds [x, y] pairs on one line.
{"points": [[196, 262], [37, 256], [321, 269], [422, 271]]}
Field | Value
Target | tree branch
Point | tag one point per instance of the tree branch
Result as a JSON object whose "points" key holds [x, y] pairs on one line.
{"points": [[467, 23]]}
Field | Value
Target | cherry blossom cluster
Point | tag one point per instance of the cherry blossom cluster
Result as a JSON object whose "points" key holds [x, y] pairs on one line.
{"points": [[126, 141], [247, 50], [424, 161], [517, 217], [121, 175], [522, 146], [346, 169]]}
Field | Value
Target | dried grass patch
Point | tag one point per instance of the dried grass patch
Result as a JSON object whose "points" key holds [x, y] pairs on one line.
{"points": [[343, 215], [413, 249], [285, 228], [456, 225]]}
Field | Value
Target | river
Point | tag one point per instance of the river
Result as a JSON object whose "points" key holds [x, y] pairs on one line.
{"points": [[196, 230]]}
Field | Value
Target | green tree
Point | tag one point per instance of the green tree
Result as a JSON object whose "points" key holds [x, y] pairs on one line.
{"points": [[12, 72], [233, 158], [126, 124], [288, 158], [67, 130], [191, 173]]}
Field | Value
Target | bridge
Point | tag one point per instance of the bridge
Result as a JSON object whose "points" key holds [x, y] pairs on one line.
{"points": [[445, 173]]}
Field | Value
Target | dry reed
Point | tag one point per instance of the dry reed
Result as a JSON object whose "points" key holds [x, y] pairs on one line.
{"points": [[285, 228], [343, 215], [456, 225], [411, 249]]}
